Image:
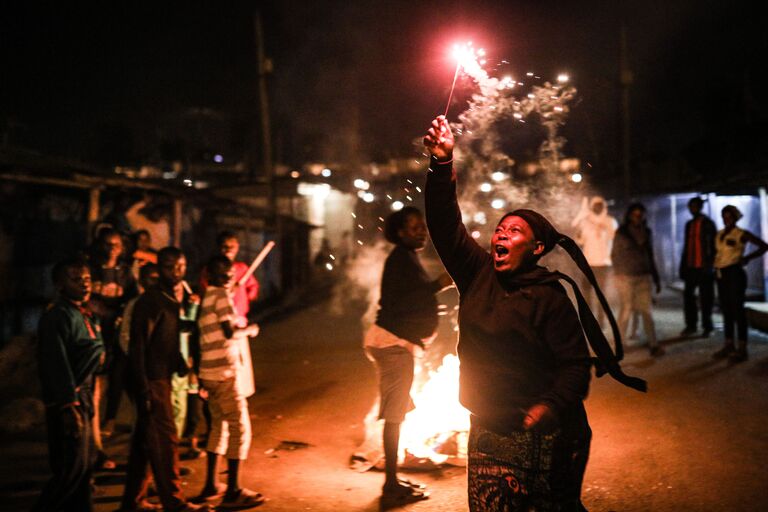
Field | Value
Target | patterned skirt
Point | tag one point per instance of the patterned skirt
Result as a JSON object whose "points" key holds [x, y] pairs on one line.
{"points": [[526, 471]]}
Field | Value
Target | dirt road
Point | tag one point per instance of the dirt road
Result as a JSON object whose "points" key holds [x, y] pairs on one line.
{"points": [[697, 441]]}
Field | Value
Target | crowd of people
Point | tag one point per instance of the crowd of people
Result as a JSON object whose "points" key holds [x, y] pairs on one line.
{"points": [[709, 256], [127, 322], [133, 325]]}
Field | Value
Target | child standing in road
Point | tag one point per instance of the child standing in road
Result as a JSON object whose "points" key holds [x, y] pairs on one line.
{"points": [[222, 367]]}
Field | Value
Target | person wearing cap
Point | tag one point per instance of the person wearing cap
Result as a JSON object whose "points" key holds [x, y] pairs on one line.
{"points": [[525, 362], [635, 269], [696, 268], [730, 243]]}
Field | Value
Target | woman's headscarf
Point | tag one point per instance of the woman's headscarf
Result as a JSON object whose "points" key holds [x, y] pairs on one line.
{"points": [[607, 360]]}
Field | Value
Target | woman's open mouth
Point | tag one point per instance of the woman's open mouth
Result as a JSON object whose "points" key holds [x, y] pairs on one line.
{"points": [[500, 252]]}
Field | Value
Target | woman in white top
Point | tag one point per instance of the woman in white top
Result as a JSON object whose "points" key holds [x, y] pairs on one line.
{"points": [[730, 243]]}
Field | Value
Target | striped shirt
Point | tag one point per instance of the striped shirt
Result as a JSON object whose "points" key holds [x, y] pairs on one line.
{"points": [[219, 356]]}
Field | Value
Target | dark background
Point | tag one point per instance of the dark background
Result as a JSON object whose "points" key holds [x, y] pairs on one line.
{"points": [[135, 81]]}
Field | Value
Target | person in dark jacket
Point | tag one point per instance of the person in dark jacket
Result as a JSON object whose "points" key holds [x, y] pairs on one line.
{"points": [[696, 268], [635, 267], [525, 363], [155, 355], [406, 322], [113, 286], [70, 350]]}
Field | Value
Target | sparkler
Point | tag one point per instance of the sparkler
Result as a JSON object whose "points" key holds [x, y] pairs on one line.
{"points": [[466, 57]]}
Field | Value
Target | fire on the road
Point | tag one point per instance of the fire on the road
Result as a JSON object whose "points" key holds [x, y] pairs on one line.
{"points": [[434, 433]]}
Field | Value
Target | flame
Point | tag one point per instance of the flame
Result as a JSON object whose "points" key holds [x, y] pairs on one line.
{"points": [[437, 418], [435, 432]]}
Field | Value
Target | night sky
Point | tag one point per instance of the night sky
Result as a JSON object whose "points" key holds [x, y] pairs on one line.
{"points": [[355, 81]]}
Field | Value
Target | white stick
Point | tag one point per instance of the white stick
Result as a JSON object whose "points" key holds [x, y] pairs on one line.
{"points": [[256, 262], [186, 287]]}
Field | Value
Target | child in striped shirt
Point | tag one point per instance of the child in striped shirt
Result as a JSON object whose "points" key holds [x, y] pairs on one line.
{"points": [[222, 366]]}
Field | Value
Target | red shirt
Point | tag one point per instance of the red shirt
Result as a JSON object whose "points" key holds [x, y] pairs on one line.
{"points": [[695, 259]]}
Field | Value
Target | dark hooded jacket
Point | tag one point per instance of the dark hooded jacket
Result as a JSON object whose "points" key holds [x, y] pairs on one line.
{"points": [[521, 341]]}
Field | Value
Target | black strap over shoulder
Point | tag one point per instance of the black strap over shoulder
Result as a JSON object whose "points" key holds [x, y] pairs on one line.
{"points": [[606, 361]]}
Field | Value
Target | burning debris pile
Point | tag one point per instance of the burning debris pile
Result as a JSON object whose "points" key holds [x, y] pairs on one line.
{"points": [[434, 433]]}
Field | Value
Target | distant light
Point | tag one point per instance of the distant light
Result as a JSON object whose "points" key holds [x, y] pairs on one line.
{"points": [[397, 205], [361, 184], [498, 204], [480, 218], [531, 95], [188, 182], [295, 174], [576, 177], [329, 266], [326, 173], [475, 234], [529, 74], [368, 197], [486, 187], [218, 158], [498, 176], [317, 190], [562, 78]]}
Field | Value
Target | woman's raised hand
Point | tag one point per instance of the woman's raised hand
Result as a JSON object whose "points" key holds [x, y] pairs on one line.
{"points": [[439, 139]]}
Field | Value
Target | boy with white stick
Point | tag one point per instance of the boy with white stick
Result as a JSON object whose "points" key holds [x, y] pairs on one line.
{"points": [[226, 373]]}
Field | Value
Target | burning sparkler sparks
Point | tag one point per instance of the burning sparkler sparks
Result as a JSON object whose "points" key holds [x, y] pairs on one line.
{"points": [[466, 58]]}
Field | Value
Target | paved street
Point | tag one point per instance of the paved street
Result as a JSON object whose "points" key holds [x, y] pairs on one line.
{"points": [[697, 441]]}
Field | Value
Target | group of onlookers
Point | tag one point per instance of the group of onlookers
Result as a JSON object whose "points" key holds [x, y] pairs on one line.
{"points": [[709, 256], [133, 324]]}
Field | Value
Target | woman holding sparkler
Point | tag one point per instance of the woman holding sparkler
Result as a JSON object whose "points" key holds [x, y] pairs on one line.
{"points": [[525, 363], [406, 321]]}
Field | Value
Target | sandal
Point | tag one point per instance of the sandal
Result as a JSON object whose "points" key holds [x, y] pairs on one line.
{"points": [[401, 495], [210, 494], [244, 498], [413, 485]]}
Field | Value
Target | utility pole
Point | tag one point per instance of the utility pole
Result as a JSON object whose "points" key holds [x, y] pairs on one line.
{"points": [[625, 81], [264, 68]]}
